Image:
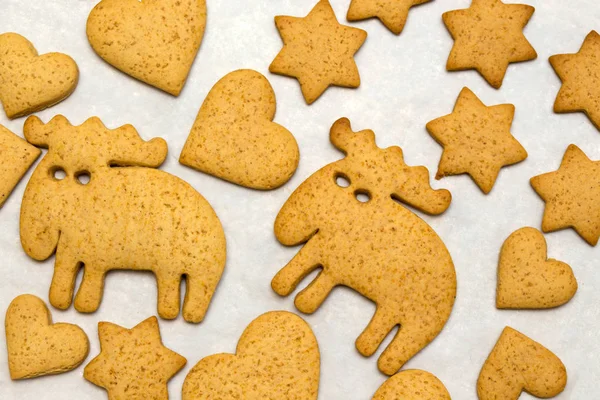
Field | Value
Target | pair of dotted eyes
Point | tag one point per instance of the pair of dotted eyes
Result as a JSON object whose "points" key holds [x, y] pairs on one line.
{"points": [[361, 195], [83, 177]]}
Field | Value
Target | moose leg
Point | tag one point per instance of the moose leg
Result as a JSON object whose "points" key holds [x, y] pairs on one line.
{"points": [[409, 340], [89, 294], [311, 298], [168, 294], [307, 260], [198, 293], [66, 267], [379, 327]]}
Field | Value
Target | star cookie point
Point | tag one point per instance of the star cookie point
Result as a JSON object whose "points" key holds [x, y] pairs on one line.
{"points": [[392, 13]]}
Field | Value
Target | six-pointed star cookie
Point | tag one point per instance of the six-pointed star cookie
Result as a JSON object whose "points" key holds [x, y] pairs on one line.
{"points": [[487, 37], [393, 13], [580, 75], [133, 363], [318, 51], [572, 195], [476, 140]]}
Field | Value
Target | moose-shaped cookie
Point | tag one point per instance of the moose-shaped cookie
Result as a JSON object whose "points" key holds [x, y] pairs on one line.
{"points": [[362, 238], [96, 199]]}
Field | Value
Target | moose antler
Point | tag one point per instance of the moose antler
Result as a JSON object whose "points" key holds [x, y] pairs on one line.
{"points": [[40, 134], [344, 138]]}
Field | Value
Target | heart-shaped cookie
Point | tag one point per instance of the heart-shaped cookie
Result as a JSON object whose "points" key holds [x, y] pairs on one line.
{"points": [[518, 364], [277, 357], [29, 82], [234, 136], [527, 278], [155, 41], [37, 347], [412, 384]]}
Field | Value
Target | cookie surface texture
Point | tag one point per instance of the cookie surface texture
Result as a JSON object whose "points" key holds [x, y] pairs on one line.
{"points": [[318, 51], [16, 156], [30, 82], [379, 248], [128, 215], [476, 140], [527, 278], [518, 364], [234, 136], [154, 41], [487, 37], [412, 384], [133, 363], [579, 74], [392, 13], [277, 357], [572, 195], [35, 345]]}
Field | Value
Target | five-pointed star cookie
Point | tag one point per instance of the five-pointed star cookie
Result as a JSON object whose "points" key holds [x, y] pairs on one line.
{"points": [[133, 363], [487, 37], [318, 51], [572, 195], [580, 76], [393, 13], [476, 140]]}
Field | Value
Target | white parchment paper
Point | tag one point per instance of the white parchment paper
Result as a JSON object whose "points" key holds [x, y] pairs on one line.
{"points": [[404, 85]]}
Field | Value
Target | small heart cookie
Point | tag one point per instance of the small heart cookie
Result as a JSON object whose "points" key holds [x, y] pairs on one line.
{"points": [[154, 41], [29, 82], [518, 364], [527, 278], [234, 136], [37, 347], [277, 357], [412, 384]]}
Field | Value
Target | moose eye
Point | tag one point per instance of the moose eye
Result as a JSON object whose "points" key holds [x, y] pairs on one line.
{"points": [[83, 177], [342, 180], [58, 173], [362, 195]]}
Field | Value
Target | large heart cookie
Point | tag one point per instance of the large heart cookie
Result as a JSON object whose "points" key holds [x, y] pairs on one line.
{"points": [[234, 137], [30, 83], [518, 364], [155, 41], [412, 384], [36, 346], [277, 357], [527, 278]]}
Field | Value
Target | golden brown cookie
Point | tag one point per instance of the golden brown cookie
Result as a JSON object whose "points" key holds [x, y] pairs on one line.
{"points": [[412, 384], [527, 278], [518, 364], [393, 13], [133, 363], [476, 140], [362, 238], [125, 215], [487, 37], [16, 156], [234, 136], [318, 51], [277, 357], [30, 82], [155, 41], [572, 195], [579, 74], [35, 345]]}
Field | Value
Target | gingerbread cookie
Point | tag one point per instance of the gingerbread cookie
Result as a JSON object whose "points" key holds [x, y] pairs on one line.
{"points": [[487, 37], [277, 357], [133, 363], [412, 384], [234, 136], [571, 194], [518, 364], [16, 156], [35, 345], [30, 82], [363, 239], [527, 278], [318, 51], [153, 41], [476, 140], [393, 13], [579, 75], [135, 217]]}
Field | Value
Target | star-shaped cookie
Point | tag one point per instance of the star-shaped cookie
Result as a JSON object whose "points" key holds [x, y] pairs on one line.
{"points": [[572, 195], [580, 76], [487, 37], [393, 13], [476, 140], [133, 363], [318, 51]]}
